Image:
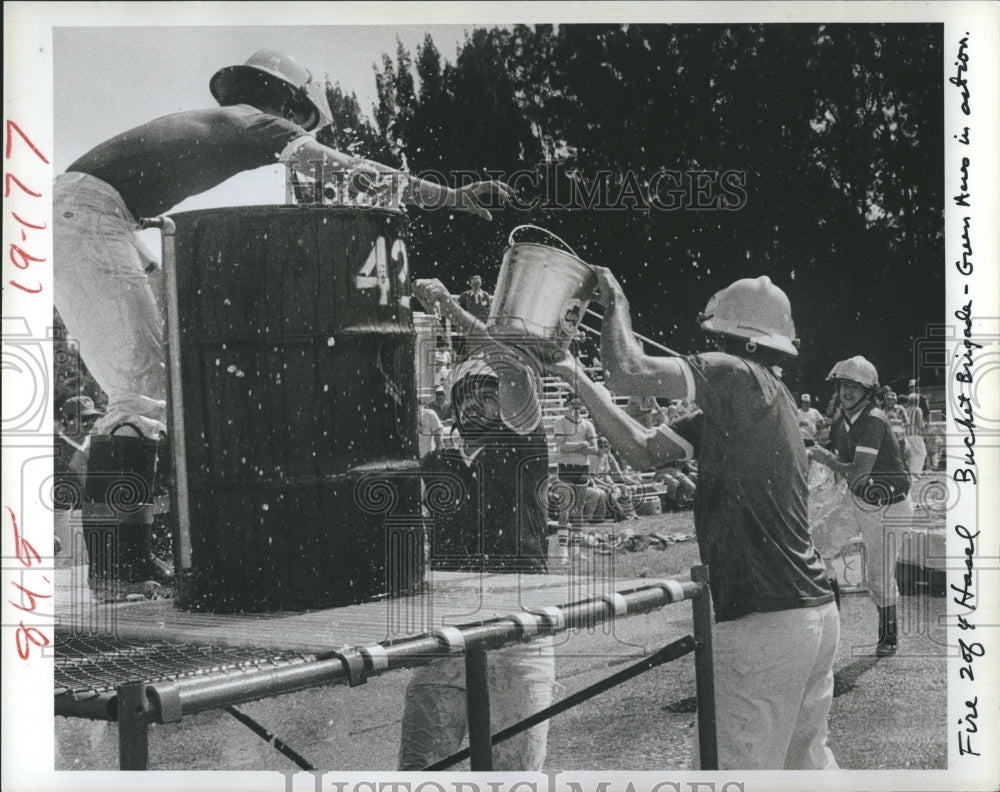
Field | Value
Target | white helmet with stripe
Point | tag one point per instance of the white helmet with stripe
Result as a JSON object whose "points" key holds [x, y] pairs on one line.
{"points": [[856, 369]]}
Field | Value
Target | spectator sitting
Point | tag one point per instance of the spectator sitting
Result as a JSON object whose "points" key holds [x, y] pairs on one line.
{"points": [[680, 486], [615, 489]]}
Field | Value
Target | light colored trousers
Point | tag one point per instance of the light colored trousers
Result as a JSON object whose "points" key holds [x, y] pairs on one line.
{"points": [[882, 530], [774, 689], [918, 453], [521, 680], [103, 295]]}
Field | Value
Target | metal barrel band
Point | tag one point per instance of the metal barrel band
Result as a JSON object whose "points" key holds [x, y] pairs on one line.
{"points": [[377, 656], [354, 664], [673, 588], [528, 622], [451, 637], [555, 616], [618, 603]]}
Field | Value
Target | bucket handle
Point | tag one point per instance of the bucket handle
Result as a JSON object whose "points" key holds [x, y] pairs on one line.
{"points": [[510, 239]]}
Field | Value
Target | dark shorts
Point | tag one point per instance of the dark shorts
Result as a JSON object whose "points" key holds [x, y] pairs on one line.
{"points": [[574, 474]]}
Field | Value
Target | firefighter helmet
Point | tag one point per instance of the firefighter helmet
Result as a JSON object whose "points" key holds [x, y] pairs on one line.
{"points": [[755, 309], [309, 95], [856, 369]]}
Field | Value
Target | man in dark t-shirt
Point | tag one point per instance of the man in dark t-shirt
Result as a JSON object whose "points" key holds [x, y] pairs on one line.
{"points": [[777, 628], [270, 108]]}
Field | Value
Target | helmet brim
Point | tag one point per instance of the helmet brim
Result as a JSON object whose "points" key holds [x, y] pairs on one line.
{"points": [[225, 88], [778, 343]]}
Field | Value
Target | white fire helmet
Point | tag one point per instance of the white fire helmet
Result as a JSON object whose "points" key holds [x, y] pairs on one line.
{"points": [[856, 369], [225, 84], [755, 309]]}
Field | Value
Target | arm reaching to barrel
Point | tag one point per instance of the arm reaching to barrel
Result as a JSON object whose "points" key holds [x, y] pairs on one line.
{"points": [[431, 292], [306, 155]]}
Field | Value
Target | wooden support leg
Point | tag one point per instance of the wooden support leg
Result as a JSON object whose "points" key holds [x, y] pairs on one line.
{"points": [[477, 702], [704, 673], [133, 727]]}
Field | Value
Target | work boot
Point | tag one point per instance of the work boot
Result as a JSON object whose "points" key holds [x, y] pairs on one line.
{"points": [[835, 585], [118, 511], [887, 632]]}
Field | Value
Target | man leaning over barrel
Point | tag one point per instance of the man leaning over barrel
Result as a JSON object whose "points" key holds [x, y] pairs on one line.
{"points": [[777, 627], [270, 108]]}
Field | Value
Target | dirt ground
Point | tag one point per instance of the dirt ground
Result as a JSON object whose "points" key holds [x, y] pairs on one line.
{"points": [[887, 713]]}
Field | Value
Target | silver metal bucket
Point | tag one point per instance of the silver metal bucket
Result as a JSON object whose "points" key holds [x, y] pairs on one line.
{"points": [[541, 293]]}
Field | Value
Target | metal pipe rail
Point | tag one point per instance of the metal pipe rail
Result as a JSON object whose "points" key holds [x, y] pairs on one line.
{"points": [[138, 704], [642, 338]]}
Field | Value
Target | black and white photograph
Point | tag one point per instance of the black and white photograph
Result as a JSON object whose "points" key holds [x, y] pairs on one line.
{"points": [[562, 396]]}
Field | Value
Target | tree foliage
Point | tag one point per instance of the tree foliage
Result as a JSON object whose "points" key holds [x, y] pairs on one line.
{"points": [[836, 131]]}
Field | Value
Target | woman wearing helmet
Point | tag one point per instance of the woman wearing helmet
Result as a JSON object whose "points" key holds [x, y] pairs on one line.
{"points": [[777, 626], [863, 448], [270, 108]]}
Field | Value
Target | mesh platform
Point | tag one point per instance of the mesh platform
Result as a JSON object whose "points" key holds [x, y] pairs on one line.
{"points": [[93, 664]]}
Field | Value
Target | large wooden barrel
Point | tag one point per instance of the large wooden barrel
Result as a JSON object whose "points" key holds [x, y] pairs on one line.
{"points": [[297, 374]]}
